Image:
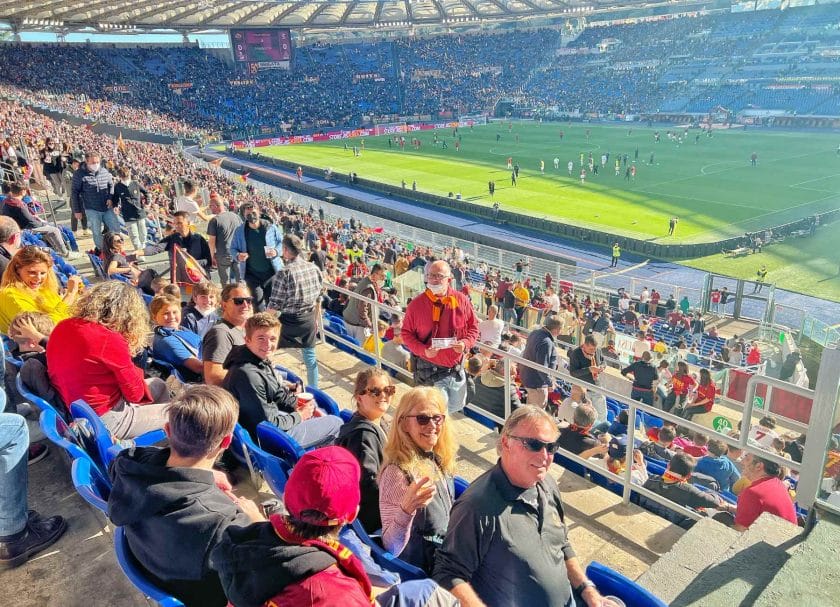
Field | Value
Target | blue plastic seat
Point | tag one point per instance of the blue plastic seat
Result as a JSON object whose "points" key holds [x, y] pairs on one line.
{"points": [[36, 400], [97, 265], [461, 485], [60, 434], [474, 415], [277, 442], [290, 375], [345, 415], [273, 469], [91, 484], [98, 440], [133, 571], [574, 467], [385, 559], [324, 401], [612, 583]]}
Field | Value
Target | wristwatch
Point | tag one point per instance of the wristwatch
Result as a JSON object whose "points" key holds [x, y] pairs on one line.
{"points": [[586, 583]]}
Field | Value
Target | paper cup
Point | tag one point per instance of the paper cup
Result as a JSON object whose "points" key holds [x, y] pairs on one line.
{"points": [[304, 398]]}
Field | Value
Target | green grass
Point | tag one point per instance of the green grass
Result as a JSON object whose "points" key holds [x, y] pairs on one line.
{"points": [[710, 185]]}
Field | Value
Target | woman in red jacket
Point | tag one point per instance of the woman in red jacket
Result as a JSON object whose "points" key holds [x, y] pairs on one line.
{"points": [[89, 356]]}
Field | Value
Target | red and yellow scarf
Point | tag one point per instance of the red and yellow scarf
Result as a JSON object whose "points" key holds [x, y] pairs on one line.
{"points": [[439, 302]]}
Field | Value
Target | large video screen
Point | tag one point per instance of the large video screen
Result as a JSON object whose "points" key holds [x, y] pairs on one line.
{"points": [[261, 45]]}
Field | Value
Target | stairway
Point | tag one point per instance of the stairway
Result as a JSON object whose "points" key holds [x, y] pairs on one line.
{"points": [[715, 566]]}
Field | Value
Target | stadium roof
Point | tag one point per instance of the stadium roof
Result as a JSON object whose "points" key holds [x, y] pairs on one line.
{"points": [[198, 15]]}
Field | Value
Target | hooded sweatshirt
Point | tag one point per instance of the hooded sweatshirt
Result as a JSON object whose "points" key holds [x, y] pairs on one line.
{"points": [[261, 395], [256, 565], [173, 517], [366, 441]]}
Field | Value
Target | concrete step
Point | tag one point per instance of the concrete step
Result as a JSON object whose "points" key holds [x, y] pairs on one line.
{"points": [[713, 565], [701, 547], [811, 575]]}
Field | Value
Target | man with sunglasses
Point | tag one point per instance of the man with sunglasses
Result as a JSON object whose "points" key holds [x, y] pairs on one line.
{"points": [[515, 504], [439, 327], [237, 308]]}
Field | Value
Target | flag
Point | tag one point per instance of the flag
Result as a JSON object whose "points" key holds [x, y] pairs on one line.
{"points": [[244, 177], [378, 230], [88, 109], [185, 269], [91, 125], [216, 163], [120, 143]]}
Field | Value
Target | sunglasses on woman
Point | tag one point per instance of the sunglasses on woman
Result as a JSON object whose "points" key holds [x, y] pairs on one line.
{"points": [[535, 445], [377, 392], [425, 420]]}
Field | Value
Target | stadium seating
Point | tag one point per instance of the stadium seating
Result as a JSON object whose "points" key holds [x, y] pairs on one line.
{"points": [[612, 583], [133, 571], [260, 464], [280, 443], [91, 484]]}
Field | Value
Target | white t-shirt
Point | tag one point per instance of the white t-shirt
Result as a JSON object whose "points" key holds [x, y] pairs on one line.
{"points": [[624, 304], [763, 436], [553, 302], [490, 331], [182, 203], [640, 346]]}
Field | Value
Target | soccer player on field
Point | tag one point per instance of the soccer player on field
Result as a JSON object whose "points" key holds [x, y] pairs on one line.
{"points": [[571, 167]]}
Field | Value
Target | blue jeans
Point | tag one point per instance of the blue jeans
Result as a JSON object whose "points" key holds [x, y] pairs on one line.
{"points": [[14, 447], [454, 387], [311, 362], [95, 221], [316, 431]]}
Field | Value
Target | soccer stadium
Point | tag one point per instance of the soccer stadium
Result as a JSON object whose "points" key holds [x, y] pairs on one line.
{"points": [[420, 303]]}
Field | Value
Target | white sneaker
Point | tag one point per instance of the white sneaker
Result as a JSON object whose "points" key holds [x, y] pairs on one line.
{"points": [[73, 255]]}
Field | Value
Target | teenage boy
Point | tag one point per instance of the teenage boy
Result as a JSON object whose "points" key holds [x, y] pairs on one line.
{"points": [[263, 396], [173, 506]]}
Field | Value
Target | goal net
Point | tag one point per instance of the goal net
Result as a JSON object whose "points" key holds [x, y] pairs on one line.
{"points": [[390, 128], [472, 120]]}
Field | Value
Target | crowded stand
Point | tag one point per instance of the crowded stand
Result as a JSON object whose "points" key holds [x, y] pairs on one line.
{"points": [[128, 362], [770, 60]]}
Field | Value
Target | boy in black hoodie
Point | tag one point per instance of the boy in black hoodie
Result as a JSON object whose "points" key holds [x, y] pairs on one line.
{"points": [[263, 396], [173, 506]]}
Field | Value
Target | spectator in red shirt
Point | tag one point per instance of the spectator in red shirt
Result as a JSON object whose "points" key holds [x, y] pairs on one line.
{"points": [[766, 493], [705, 398], [754, 355], [90, 357], [681, 384]]}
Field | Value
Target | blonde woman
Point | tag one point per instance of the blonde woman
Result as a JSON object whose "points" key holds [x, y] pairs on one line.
{"points": [[29, 284], [416, 482], [364, 437], [90, 357]]}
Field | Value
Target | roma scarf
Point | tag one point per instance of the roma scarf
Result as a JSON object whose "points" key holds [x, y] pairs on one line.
{"points": [[345, 559], [439, 303]]}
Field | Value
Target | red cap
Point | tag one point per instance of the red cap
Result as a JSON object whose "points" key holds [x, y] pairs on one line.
{"points": [[325, 480]]}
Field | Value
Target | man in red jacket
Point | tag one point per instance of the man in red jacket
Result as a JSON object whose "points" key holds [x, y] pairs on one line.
{"points": [[438, 328]]}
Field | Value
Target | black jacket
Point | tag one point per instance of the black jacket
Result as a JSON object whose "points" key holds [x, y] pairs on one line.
{"points": [[261, 395], [173, 517], [365, 440], [127, 197], [194, 244], [254, 564]]}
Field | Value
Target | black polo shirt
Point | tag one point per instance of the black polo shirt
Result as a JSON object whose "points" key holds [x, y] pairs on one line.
{"points": [[510, 544]]}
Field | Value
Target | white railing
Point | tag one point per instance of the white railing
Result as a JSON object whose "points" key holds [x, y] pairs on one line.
{"points": [[814, 452]]}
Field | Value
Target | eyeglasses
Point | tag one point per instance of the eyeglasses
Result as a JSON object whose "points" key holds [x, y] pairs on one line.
{"points": [[118, 239], [535, 445], [425, 420], [377, 392], [437, 276], [242, 300]]}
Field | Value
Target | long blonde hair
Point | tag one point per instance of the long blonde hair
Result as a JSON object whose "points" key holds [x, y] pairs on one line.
{"points": [[401, 451], [119, 307], [26, 257]]}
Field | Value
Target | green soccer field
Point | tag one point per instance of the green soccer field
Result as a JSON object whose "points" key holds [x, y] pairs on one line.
{"points": [[708, 182]]}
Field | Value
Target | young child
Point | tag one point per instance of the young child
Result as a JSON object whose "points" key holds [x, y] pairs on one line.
{"points": [[30, 332]]}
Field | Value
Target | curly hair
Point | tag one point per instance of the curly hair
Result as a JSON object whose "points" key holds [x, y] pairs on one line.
{"points": [[400, 449], [25, 257], [119, 307]]}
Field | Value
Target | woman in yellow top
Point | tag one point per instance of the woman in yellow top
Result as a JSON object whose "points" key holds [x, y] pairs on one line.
{"points": [[29, 284], [522, 299]]}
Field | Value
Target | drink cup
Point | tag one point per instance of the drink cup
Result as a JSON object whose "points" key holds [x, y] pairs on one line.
{"points": [[304, 399]]}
